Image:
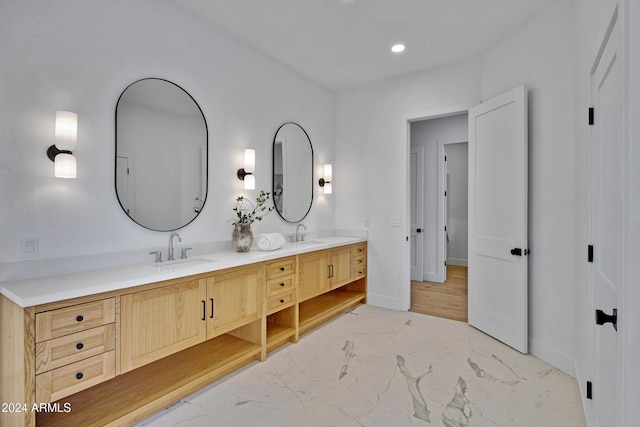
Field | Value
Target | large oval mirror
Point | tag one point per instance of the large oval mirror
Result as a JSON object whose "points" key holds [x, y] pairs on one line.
{"points": [[161, 155], [292, 172]]}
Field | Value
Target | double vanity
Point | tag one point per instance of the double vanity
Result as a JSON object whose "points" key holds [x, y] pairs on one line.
{"points": [[113, 346]]}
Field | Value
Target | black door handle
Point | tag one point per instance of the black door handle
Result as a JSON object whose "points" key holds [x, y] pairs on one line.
{"points": [[419, 230], [602, 318], [516, 251]]}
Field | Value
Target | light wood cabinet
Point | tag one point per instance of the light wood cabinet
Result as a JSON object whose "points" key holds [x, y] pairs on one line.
{"points": [[158, 322], [281, 302], [313, 275], [121, 356], [341, 266], [321, 296], [234, 299]]}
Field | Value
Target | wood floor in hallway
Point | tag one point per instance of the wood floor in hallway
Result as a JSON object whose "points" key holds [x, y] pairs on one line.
{"points": [[448, 299]]}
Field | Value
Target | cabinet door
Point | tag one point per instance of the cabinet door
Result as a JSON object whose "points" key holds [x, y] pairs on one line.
{"points": [[234, 299], [313, 275], [160, 322], [341, 261]]}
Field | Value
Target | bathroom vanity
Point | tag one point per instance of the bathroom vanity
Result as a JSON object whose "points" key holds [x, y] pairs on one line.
{"points": [[114, 346]]}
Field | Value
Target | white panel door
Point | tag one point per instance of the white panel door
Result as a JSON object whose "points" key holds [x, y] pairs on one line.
{"points": [[124, 183], [498, 218], [606, 230], [416, 168]]}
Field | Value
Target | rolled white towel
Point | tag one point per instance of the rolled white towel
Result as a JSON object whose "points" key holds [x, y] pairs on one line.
{"points": [[270, 241]]}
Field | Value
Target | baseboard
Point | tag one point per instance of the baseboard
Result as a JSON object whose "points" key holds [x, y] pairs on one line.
{"points": [[553, 357], [582, 389], [384, 302], [458, 262], [431, 277]]}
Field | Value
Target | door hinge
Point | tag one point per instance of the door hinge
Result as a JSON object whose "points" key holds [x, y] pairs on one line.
{"points": [[590, 253], [445, 228], [589, 390], [445, 158], [445, 263], [591, 116], [445, 194]]}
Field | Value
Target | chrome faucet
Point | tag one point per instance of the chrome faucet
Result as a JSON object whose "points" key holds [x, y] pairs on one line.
{"points": [[300, 237], [170, 255]]}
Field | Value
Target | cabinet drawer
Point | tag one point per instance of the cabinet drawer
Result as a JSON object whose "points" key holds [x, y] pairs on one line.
{"points": [[71, 348], [360, 249], [70, 379], [281, 268], [360, 271], [361, 260], [65, 321], [280, 301], [279, 285]]}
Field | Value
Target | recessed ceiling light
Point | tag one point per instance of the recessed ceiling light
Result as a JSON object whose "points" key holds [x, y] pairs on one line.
{"points": [[397, 48]]}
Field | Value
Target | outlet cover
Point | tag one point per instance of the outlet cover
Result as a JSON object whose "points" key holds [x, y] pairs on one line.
{"points": [[29, 247]]}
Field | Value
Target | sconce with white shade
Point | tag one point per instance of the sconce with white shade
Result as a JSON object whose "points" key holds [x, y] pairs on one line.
{"points": [[325, 181], [66, 136], [246, 174]]}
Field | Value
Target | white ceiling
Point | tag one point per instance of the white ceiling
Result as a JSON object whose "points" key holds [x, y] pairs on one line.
{"points": [[341, 43]]}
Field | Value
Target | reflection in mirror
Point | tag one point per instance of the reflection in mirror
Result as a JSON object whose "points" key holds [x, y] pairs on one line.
{"points": [[292, 172], [161, 155]]}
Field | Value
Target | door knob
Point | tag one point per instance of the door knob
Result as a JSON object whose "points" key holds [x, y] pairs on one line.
{"points": [[419, 230], [602, 318], [516, 251]]}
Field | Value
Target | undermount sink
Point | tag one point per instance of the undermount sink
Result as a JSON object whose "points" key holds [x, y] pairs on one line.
{"points": [[180, 264]]}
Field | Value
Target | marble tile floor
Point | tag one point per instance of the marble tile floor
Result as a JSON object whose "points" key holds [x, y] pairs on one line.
{"points": [[378, 367]]}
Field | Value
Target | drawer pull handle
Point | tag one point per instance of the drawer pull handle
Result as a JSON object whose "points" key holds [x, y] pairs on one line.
{"points": [[282, 284], [211, 299], [79, 376], [281, 301], [79, 318], [79, 346], [281, 268], [204, 310]]}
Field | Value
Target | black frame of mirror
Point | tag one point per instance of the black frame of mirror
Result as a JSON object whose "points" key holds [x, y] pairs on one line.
{"points": [[115, 177], [273, 168]]}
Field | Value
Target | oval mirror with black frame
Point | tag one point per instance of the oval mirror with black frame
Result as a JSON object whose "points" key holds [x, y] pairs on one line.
{"points": [[292, 172], [161, 155]]}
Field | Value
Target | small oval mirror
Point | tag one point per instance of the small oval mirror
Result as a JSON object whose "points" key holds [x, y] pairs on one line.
{"points": [[161, 155], [292, 172]]}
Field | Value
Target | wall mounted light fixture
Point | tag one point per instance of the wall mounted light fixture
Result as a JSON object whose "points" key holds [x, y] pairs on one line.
{"points": [[325, 182], [66, 136], [246, 174]]}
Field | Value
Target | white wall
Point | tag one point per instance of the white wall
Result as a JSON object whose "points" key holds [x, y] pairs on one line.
{"points": [[427, 133], [79, 55], [371, 120], [458, 204]]}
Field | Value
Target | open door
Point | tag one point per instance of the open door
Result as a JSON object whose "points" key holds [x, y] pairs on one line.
{"points": [[417, 212], [498, 167]]}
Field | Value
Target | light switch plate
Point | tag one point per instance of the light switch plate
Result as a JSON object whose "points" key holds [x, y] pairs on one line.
{"points": [[395, 221]]}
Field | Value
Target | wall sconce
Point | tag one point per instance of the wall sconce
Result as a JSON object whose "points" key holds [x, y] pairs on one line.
{"points": [[246, 174], [326, 181], [66, 136]]}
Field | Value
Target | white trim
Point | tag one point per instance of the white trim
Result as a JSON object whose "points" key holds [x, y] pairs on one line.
{"points": [[458, 262], [556, 358]]}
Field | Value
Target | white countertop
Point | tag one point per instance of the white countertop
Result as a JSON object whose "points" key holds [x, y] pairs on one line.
{"points": [[45, 290]]}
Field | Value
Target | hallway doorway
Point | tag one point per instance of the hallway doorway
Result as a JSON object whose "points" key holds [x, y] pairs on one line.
{"points": [[439, 192]]}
